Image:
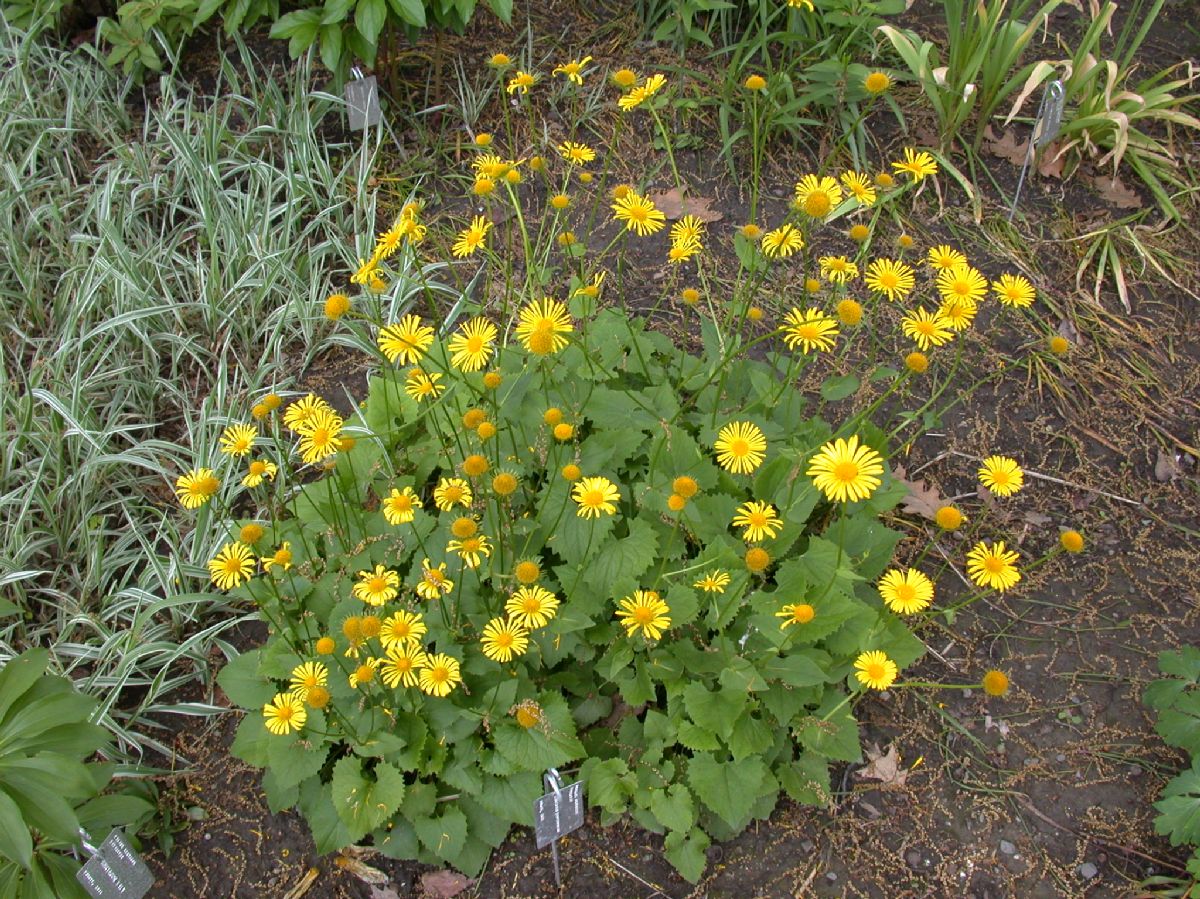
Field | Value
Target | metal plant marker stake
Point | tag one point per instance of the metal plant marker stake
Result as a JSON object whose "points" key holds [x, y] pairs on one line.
{"points": [[1045, 129], [556, 814], [114, 869], [362, 101]]}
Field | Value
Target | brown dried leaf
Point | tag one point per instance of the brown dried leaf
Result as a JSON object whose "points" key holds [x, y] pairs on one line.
{"points": [[444, 884], [923, 499], [361, 870], [884, 767], [1052, 161], [1166, 468], [675, 205], [1113, 190], [1008, 148]]}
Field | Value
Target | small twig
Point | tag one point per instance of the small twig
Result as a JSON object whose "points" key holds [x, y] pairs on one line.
{"points": [[302, 886], [1054, 480]]}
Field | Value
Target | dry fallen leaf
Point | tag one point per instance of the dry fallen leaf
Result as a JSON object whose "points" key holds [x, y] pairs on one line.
{"points": [[1052, 161], [361, 870], [1008, 148], [1067, 329], [1166, 468], [675, 205], [1113, 190], [923, 499], [444, 884], [884, 767]]}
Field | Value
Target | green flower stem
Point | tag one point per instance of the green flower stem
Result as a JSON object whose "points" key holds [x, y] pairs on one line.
{"points": [[662, 130], [981, 593]]}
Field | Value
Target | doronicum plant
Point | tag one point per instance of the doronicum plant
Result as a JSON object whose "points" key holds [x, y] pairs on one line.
{"points": [[551, 536]]}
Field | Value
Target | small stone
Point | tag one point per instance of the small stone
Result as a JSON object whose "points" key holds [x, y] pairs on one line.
{"points": [[913, 858], [1087, 870], [807, 846], [1135, 770], [967, 694], [831, 876], [1007, 848], [1061, 757]]}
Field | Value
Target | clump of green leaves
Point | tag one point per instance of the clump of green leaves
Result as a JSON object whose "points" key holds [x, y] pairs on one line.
{"points": [[1176, 700], [48, 789], [695, 734]]}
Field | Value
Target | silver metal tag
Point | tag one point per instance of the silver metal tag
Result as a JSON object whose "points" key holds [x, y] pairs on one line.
{"points": [[362, 102], [115, 871], [1050, 114], [558, 812]]}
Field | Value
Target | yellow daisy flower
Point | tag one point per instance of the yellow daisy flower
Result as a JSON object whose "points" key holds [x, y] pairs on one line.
{"points": [[472, 346], [811, 330], [643, 92], [644, 612], [503, 639], [573, 70], [403, 627], [258, 470], [927, 328], [1001, 475], [817, 196], [377, 587], [532, 606], [541, 326], [595, 496], [196, 487], [783, 241], [741, 447], [639, 214], [714, 581], [399, 506], [232, 566], [993, 566], [451, 492], [433, 581], [917, 164], [1014, 291], [284, 714], [759, 520], [907, 591], [406, 341], [238, 439], [875, 670], [890, 277], [846, 471], [401, 664], [440, 675], [472, 238]]}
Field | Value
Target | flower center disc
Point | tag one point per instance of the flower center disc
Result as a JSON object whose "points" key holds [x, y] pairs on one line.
{"points": [[845, 471]]}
